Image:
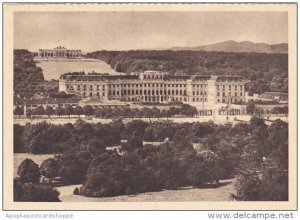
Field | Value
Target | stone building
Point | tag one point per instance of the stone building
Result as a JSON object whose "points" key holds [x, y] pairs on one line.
{"points": [[154, 86], [59, 52]]}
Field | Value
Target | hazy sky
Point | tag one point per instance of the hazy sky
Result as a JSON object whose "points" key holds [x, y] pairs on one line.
{"points": [[92, 31]]}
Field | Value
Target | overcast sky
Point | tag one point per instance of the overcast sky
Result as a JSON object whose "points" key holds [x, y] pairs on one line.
{"points": [[91, 31]]}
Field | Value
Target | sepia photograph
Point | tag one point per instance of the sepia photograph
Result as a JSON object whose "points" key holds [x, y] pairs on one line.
{"points": [[127, 106]]}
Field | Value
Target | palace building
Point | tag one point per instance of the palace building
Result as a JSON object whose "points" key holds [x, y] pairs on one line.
{"points": [[59, 52], [154, 86]]}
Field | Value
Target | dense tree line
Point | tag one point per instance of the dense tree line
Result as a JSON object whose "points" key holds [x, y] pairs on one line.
{"points": [[44, 138], [266, 72], [253, 109], [109, 112], [264, 168]]}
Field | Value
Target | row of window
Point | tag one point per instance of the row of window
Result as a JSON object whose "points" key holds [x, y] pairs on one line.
{"points": [[229, 87], [148, 92], [229, 94], [199, 99], [146, 85], [199, 93], [153, 77], [226, 100]]}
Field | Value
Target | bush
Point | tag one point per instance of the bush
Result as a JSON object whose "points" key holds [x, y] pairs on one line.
{"points": [[49, 168], [28, 192], [76, 191], [29, 172]]}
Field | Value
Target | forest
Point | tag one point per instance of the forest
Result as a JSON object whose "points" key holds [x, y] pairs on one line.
{"points": [[254, 153], [28, 78], [265, 72]]}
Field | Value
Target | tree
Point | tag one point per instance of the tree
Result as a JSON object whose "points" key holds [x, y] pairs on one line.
{"points": [[78, 110], [19, 111], [60, 111], [257, 122], [29, 172], [155, 112], [28, 112], [19, 145], [49, 110], [28, 192], [250, 107], [69, 110], [74, 165], [88, 110], [39, 110], [49, 168], [188, 110]]}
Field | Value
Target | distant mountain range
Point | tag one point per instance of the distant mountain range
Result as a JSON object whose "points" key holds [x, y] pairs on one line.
{"points": [[244, 46]]}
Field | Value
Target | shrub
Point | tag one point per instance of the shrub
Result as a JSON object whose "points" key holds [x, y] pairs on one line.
{"points": [[29, 172], [28, 192], [76, 191]]}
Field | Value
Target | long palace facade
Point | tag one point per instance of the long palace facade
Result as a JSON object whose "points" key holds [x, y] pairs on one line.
{"points": [[154, 86], [59, 52]]}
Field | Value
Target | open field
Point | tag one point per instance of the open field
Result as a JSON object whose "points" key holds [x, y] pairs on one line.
{"points": [[221, 193], [53, 69]]}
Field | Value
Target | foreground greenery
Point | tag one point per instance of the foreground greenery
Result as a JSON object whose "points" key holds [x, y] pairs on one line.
{"points": [[255, 153]]}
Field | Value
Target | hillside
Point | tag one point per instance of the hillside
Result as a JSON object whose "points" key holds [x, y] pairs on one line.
{"points": [[28, 78], [244, 46], [265, 72]]}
